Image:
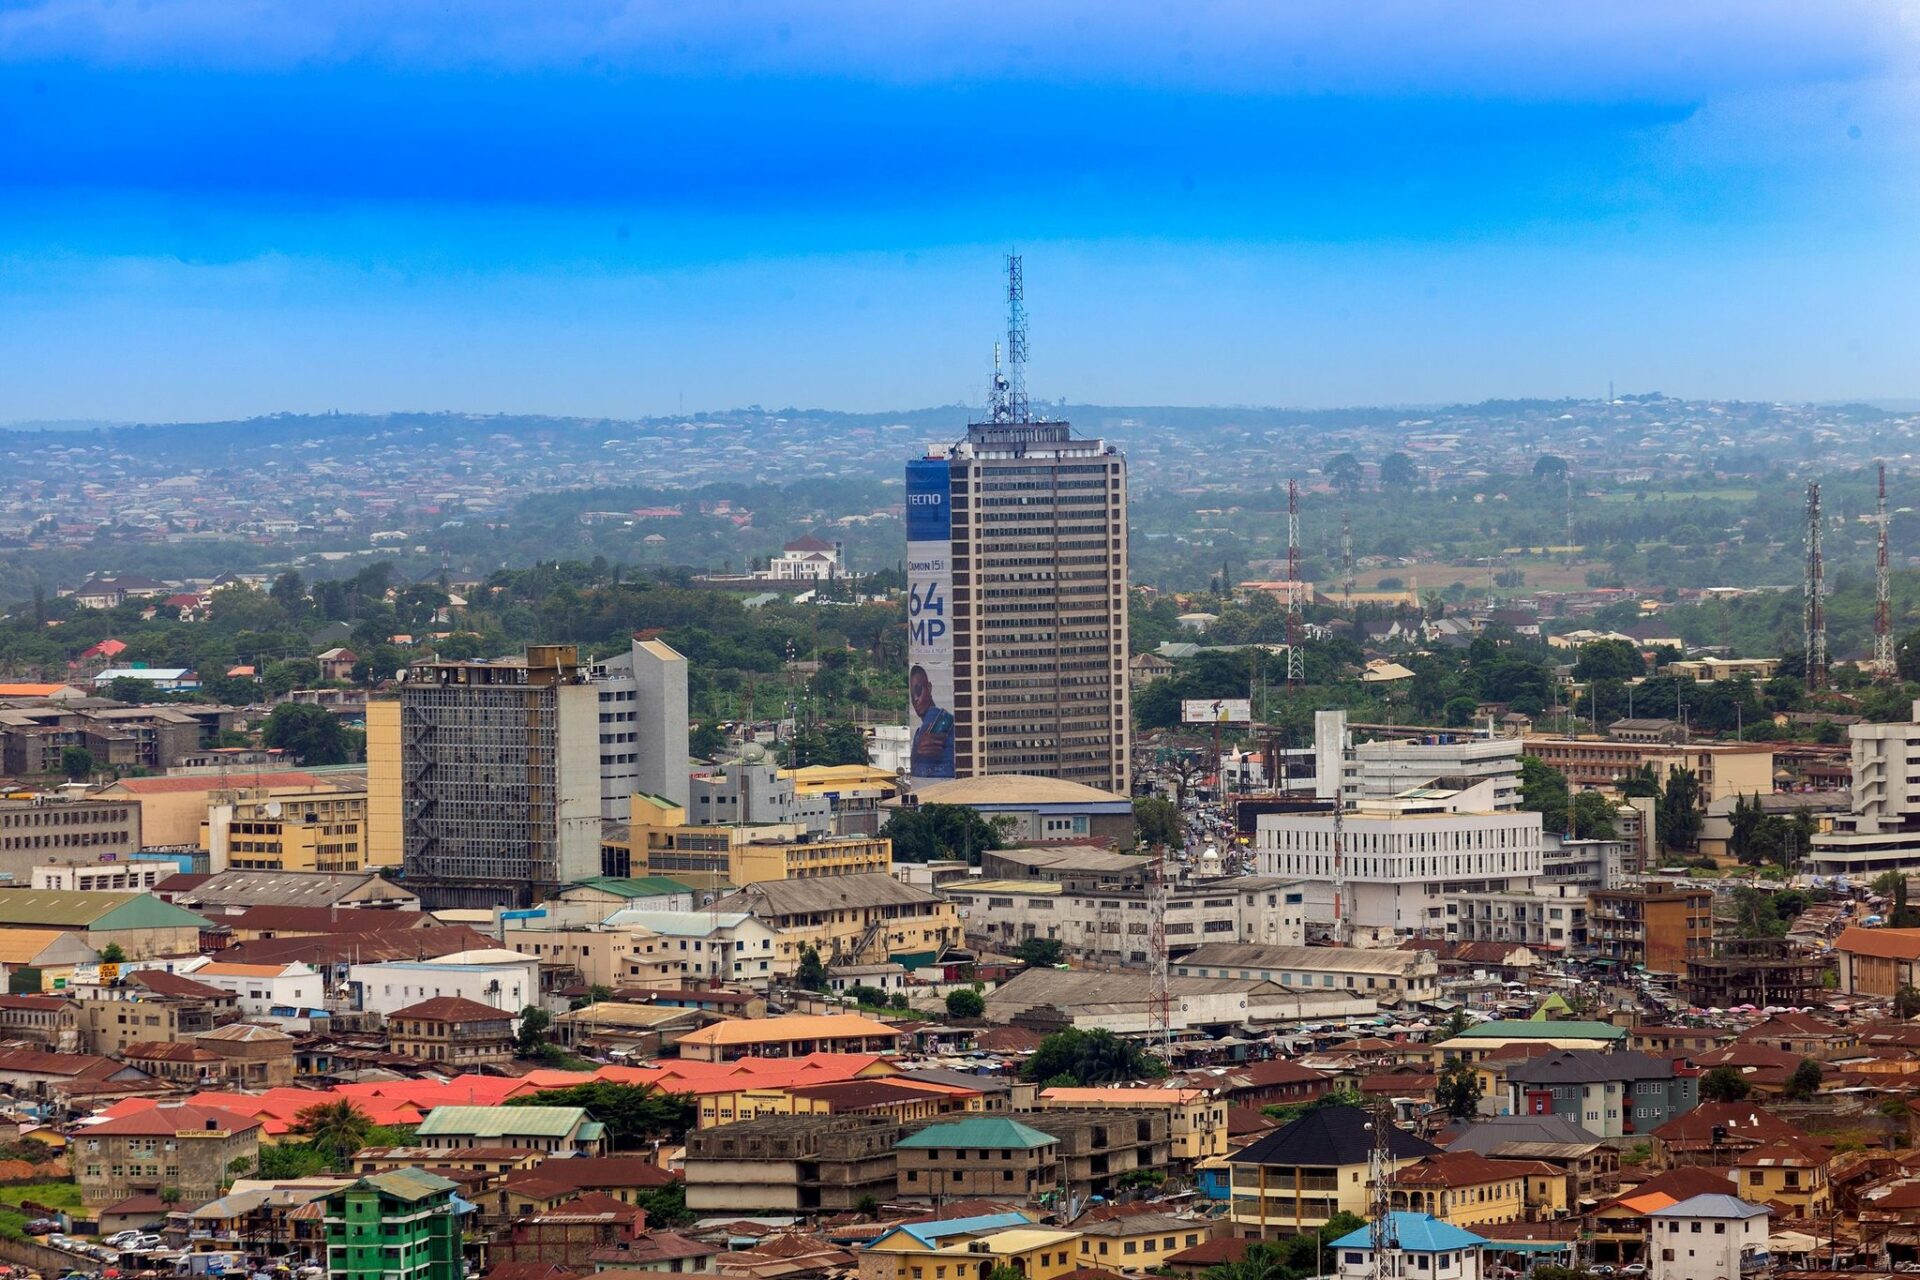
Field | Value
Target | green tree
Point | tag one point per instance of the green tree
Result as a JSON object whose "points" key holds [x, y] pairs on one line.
{"points": [[1398, 472], [112, 954], [707, 742], [1755, 915], [1041, 952], [965, 1003], [929, 831], [1091, 1057], [335, 1129], [294, 1160], [1459, 710], [131, 689], [1746, 819], [634, 1114], [1680, 809], [1805, 1080], [1906, 1003], [1608, 660], [531, 1039], [666, 1206], [1550, 469], [1724, 1084], [311, 733], [76, 762], [1459, 1091], [1593, 817], [1344, 472], [811, 975], [1156, 823], [1543, 789]]}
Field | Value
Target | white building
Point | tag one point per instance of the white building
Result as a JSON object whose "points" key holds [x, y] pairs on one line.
{"points": [[1547, 918], [1882, 832], [1403, 859], [104, 877], [1585, 864], [505, 980], [642, 726], [1389, 977], [807, 559], [290, 994], [1707, 1237], [1424, 1248], [687, 947], [1110, 924], [1381, 770]]}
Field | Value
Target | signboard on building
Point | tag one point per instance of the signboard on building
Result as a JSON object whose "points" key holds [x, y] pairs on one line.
{"points": [[930, 618], [1216, 711]]}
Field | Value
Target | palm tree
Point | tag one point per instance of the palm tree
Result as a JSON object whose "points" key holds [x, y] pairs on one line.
{"points": [[337, 1128]]}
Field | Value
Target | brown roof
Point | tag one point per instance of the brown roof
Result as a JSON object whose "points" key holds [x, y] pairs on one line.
{"points": [[162, 983], [328, 920], [33, 1004], [856, 1095], [1007, 1040], [1682, 1184], [1742, 1122], [138, 1204], [39, 1062], [591, 1173], [1264, 1075], [592, 1204], [169, 1051], [1212, 1253], [1467, 1169], [1885, 944], [361, 948], [531, 1271], [1791, 1026], [451, 1009], [170, 1118], [654, 1246]]}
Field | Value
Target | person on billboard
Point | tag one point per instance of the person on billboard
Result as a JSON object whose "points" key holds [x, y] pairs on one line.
{"points": [[933, 736]]}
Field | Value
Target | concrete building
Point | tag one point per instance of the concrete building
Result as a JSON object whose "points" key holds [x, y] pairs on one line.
{"points": [[555, 1131], [1405, 858], [405, 1222], [102, 877], [1382, 770], [1196, 1119], [172, 1145], [1036, 809], [498, 978], [674, 950], [1546, 918], [748, 792], [791, 1164], [1881, 830], [173, 808], [260, 832], [1725, 769], [500, 778], [1707, 1237], [232, 893], [1017, 535], [1109, 925], [1877, 962], [660, 842], [793, 1036], [1296, 1178], [859, 919], [642, 726], [37, 832], [452, 1033], [283, 993], [1656, 923], [1387, 977], [995, 1157], [1610, 1095], [1425, 1247], [141, 925]]}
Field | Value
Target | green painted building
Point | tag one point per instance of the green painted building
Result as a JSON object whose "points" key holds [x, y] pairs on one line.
{"points": [[399, 1225]]}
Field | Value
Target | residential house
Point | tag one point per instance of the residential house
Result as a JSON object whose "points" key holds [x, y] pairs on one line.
{"points": [[1423, 1246], [1610, 1095], [1138, 1241], [1196, 1121], [289, 994], [993, 1156], [1297, 1178], [452, 1033], [792, 1036], [851, 919], [405, 1222], [182, 1146], [1708, 1237], [564, 1131], [1468, 1189], [1714, 1133]]}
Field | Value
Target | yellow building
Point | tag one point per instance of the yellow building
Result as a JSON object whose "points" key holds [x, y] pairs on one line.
{"points": [[1468, 1189], [793, 1036], [257, 831], [1196, 1123], [174, 808], [660, 842], [1037, 1253], [384, 826], [1296, 1178], [863, 919], [1142, 1241], [1785, 1172]]}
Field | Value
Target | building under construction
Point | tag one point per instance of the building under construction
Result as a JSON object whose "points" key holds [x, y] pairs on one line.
{"points": [[1755, 971]]}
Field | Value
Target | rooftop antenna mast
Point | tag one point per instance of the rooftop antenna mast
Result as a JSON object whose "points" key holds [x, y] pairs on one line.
{"points": [[1017, 409], [1384, 1230], [1342, 925], [1814, 590], [1296, 668], [1160, 1002], [1882, 591], [997, 391]]}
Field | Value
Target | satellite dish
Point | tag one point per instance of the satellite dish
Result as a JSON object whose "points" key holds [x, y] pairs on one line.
{"points": [[753, 753], [273, 808]]}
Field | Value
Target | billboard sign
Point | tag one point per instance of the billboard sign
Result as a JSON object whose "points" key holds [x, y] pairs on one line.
{"points": [[1216, 711], [930, 617]]}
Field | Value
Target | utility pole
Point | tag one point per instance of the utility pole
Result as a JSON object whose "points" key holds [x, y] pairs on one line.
{"points": [[1814, 590]]}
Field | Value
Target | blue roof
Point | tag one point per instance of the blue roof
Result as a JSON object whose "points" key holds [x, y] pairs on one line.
{"points": [[931, 1233], [1418, 1233]]}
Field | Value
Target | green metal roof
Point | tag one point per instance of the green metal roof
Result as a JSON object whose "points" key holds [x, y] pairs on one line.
{"points": [[83, 909], [502, 1122], [411, 1185], [984, 1133], [635, 886], [1544, 1029]]}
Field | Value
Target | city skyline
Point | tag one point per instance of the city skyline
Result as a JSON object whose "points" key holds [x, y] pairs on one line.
{"points": [[213, 213]]}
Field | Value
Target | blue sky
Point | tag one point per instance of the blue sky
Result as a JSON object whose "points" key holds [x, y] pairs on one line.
{"points": [[221, 208]]}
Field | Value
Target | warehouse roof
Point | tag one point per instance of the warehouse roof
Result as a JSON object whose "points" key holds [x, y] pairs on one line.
{"points": [[1012, 789], [1249, 955], [85, 909], [502, 1122], [825, 893], [633, 886]]}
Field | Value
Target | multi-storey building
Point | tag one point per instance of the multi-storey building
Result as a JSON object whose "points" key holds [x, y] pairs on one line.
{"points": [[1403, 859], [499, 776], [849, 919], [35, 833], [660, 842], [1017, 566], [642, 726], [170, 1146], [1382, 770], [400, 1223], [1385, 975], [1549, 917], [453, 1033], [1610, 1095], [1110, 925], [1882, 830], [1725, 769], [1657, 924], [257, 831]]}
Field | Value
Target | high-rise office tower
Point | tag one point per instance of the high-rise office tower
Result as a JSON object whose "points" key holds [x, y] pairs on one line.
{"points": [[499, 778], [1017, 586], [643, 726]]}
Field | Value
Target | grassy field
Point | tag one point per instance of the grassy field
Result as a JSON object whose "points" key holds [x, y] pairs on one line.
{"points": [[1541, 573], [55, 1195], [1682, 495]]}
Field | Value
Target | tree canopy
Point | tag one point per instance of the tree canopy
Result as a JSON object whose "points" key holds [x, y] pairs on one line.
{"points": [[1090, 1057]]}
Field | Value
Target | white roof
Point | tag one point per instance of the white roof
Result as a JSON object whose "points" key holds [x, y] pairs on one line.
{"points": [[486, 955], [689, 924]]}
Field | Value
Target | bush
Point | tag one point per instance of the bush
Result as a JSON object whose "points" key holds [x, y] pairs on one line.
{"points": [[965, 1003]]}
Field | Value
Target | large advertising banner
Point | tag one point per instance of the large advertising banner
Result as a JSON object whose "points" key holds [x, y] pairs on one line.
{"points": [[930, 616]]}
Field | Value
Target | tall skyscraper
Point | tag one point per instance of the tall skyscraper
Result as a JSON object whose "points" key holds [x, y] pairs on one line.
{"points": [[499, 778], [1017, 595]]}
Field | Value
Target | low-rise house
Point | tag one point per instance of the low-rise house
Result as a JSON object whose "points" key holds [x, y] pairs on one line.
{"points": [[892, 1254], [1468, 1189], [792, 1036], [536, 1189], [566, 1131], [240, 1056], [620, 1027], [506, 980], [1715, 1133], [282, 993], [1423, 1246], [1610, 1095], [1196, 1121], [1620, 1226], [1592, 1166], [1138, 1241], [171, 1147], [1295, 1179], [1387, 977], [1800, 1034], [1789, 1173], [452, 1032]]}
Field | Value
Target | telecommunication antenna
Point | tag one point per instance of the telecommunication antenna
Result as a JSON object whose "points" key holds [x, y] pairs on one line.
{"points": [[1384, 1231], [1017, 409], [1342, 924], [1160, 1001], [1882, 591], [997, 391], [1346, 551], [1296, 668], [1814, 590]]}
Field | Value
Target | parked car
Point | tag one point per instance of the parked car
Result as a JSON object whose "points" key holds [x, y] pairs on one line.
{"points": [[41, 1227]]}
